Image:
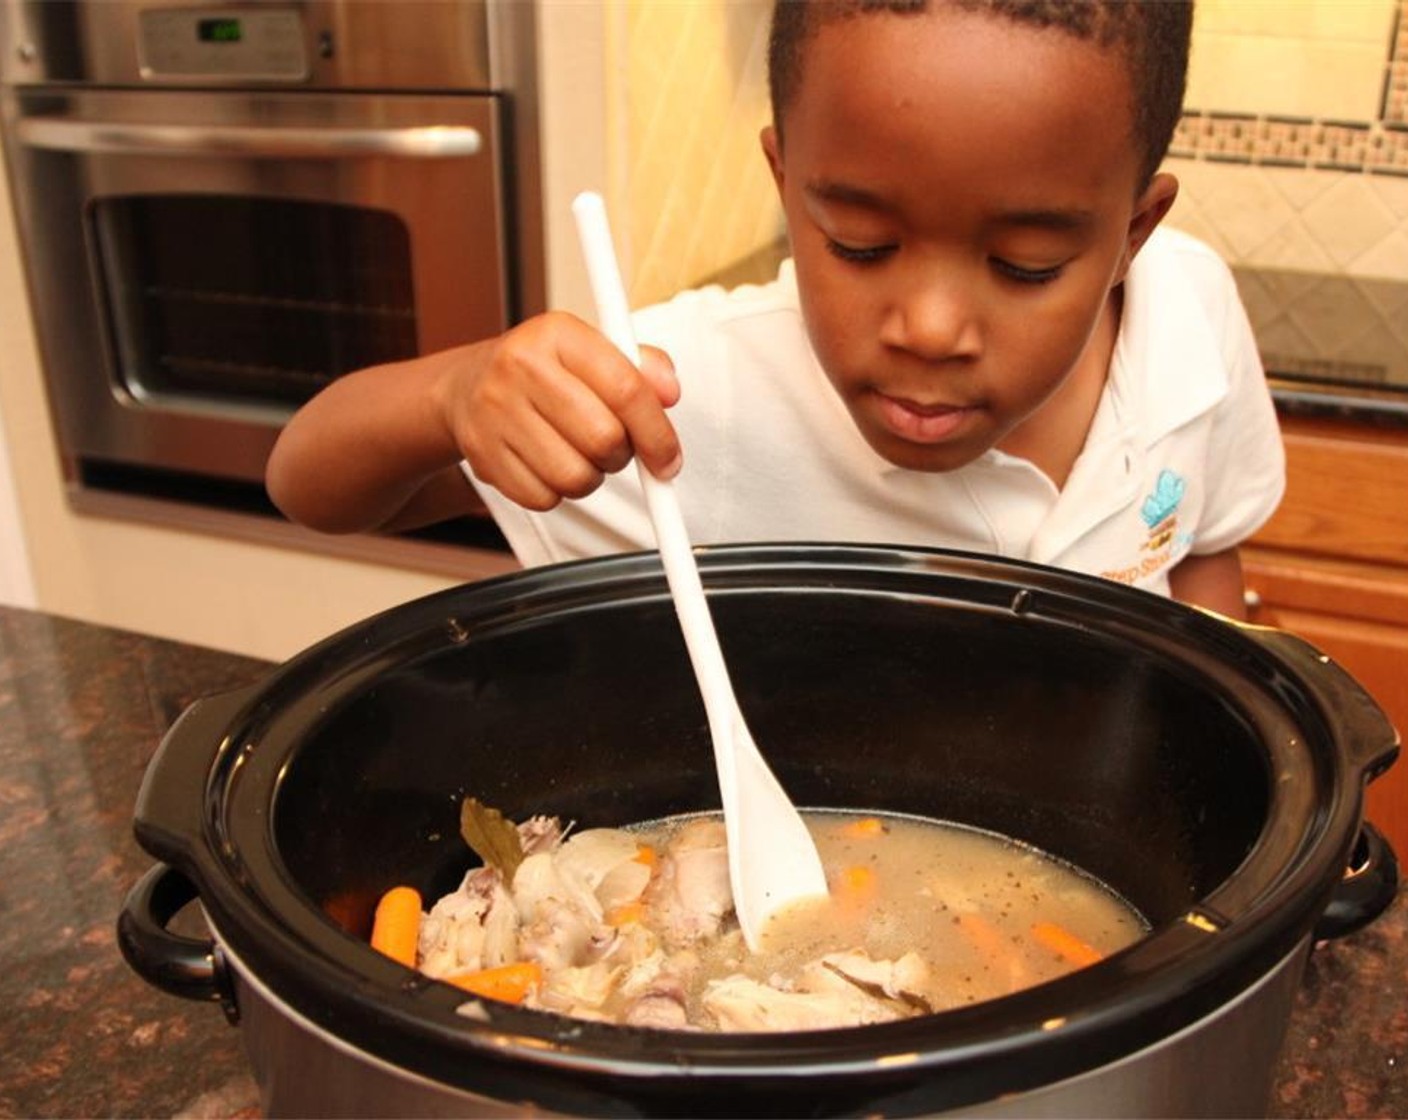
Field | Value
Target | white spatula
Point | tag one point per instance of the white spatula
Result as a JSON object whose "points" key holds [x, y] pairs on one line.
{"points": [[772, 859]]}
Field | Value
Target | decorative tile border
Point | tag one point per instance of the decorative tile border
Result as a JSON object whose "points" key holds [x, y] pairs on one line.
{"points": [[1378, 147], [1290, 142]]}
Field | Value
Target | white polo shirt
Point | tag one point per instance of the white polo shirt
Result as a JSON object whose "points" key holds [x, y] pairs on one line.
{"points": [[1184, 454]]}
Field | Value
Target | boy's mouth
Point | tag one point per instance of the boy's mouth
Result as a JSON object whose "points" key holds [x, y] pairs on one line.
{"points": [[918, 422]]}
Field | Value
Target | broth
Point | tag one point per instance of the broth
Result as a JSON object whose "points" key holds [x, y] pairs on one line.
{"points": [[988, 916], [636, 925]]}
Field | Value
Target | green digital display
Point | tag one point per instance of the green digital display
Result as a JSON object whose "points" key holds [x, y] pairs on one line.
{"points": [[219, 30]]}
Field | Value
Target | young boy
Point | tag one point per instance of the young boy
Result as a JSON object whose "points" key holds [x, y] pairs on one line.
{"points": [[980, 343]]}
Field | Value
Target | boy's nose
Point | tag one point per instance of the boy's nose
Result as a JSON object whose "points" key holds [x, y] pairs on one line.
{"points": [[934, 320]]}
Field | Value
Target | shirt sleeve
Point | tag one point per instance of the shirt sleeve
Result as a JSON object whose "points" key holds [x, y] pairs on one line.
{"points": [[1246, 469]]}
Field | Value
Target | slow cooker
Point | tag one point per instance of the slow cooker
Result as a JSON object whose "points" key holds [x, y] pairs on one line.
{"points": [[1210, 772]]}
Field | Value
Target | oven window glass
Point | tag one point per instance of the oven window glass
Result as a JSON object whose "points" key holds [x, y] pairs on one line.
{"points": [[262, 301]]}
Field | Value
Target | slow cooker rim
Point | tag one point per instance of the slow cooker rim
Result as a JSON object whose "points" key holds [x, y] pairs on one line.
{"points": [[412, 1022], [787, 1050]]}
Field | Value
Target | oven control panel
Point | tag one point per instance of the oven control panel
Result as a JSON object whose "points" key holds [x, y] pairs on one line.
{"points": [[234, 44]]}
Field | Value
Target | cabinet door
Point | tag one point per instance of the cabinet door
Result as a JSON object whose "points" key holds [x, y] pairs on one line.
{"points": [[1358, 616]]}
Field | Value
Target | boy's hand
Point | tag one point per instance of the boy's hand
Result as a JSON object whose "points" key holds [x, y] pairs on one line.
{"points": [[551, 407]]}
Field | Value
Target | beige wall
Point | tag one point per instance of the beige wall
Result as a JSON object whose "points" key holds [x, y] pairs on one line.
{"points": [[690, 192], [1298, 58]]}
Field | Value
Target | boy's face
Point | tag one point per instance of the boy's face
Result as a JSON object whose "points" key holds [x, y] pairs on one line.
{"points": [[960, 193]]}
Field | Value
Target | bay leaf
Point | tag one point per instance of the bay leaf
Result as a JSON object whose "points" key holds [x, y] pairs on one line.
{"points": [[492, 837]]}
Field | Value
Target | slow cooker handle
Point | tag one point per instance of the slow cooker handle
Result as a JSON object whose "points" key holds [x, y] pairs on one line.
{"points": [[1370, 880], [1369, 885], [169, 813], [189, 967], [1369, 736]]}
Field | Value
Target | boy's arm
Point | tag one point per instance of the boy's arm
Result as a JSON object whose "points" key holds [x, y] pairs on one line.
{"points": [[1213, 581], [370, 452], [541, 413]]}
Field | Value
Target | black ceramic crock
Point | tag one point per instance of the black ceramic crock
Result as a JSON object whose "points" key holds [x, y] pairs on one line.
{"points": [[1211, 772]]}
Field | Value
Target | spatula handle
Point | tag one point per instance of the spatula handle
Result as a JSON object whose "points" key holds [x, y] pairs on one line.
{"points": [[676, 552]]}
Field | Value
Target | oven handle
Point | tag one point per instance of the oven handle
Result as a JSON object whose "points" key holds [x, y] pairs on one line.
{"points": [[428, 142]]}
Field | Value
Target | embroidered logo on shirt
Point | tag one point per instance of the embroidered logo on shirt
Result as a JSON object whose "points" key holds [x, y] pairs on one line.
{"points": [[1168, 492], [1160, 515], [1160, 509]]}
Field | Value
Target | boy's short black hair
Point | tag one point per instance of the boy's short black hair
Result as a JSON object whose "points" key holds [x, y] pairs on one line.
{"points": [[1152, 35]]}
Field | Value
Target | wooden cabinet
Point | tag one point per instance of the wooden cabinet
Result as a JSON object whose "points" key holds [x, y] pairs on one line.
{"points": [[1332, 566]]}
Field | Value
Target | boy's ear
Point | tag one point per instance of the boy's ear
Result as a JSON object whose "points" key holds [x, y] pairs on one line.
{"points": [[1149, 211], [772, 148]]}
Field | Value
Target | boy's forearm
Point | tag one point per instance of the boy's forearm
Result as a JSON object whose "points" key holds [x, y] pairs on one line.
{"points": [[371, 451], [1214, 581]]}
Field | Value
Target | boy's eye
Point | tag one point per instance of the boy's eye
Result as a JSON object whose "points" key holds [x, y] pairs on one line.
{"points": [[1026, 275], [858, 254]]}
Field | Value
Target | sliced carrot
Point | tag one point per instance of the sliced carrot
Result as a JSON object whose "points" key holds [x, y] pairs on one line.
{"points": [[510, 983], [995, 949], [396, 925], [985, 937], [862, 828], [647, 855], [855, 886], [1063, 942], [625, 914]]}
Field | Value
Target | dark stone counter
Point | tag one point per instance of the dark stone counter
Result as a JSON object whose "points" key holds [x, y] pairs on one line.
{"points": [[82, 709]]}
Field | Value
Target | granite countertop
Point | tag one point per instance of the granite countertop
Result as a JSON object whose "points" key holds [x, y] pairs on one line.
{"points": [[82, 709]]}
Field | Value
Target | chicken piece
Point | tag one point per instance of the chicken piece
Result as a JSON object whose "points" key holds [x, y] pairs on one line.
{"points": [[452, 933], [653, 990], [739, 1003], [540, 834], [691, 894], [578, 991], [906, 979], [659, 1010], [500, 930], [558, 936], [457, 934]]}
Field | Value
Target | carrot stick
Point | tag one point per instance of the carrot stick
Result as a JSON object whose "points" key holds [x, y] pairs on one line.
{"points": [[1066, 944], [396, 925], [510, 983], [854, 888], [985, 937]]}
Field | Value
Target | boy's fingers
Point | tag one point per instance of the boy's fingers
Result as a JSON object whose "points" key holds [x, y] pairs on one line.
{"points": [[633, 399], [518, 483], [586, 423], [659, 370], [555, 458]]}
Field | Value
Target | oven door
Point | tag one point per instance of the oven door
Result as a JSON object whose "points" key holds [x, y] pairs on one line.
{"points": [[203, 262]]}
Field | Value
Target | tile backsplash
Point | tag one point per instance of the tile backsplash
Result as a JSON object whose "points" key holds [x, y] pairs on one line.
{"points": [[1311, 219], [1292, 159]]}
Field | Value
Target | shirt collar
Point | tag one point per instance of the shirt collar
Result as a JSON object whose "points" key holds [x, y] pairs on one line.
{"points": [[1168, 366]]}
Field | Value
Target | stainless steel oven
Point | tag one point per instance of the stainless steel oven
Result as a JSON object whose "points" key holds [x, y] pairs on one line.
{"points": [[224, 206]]}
